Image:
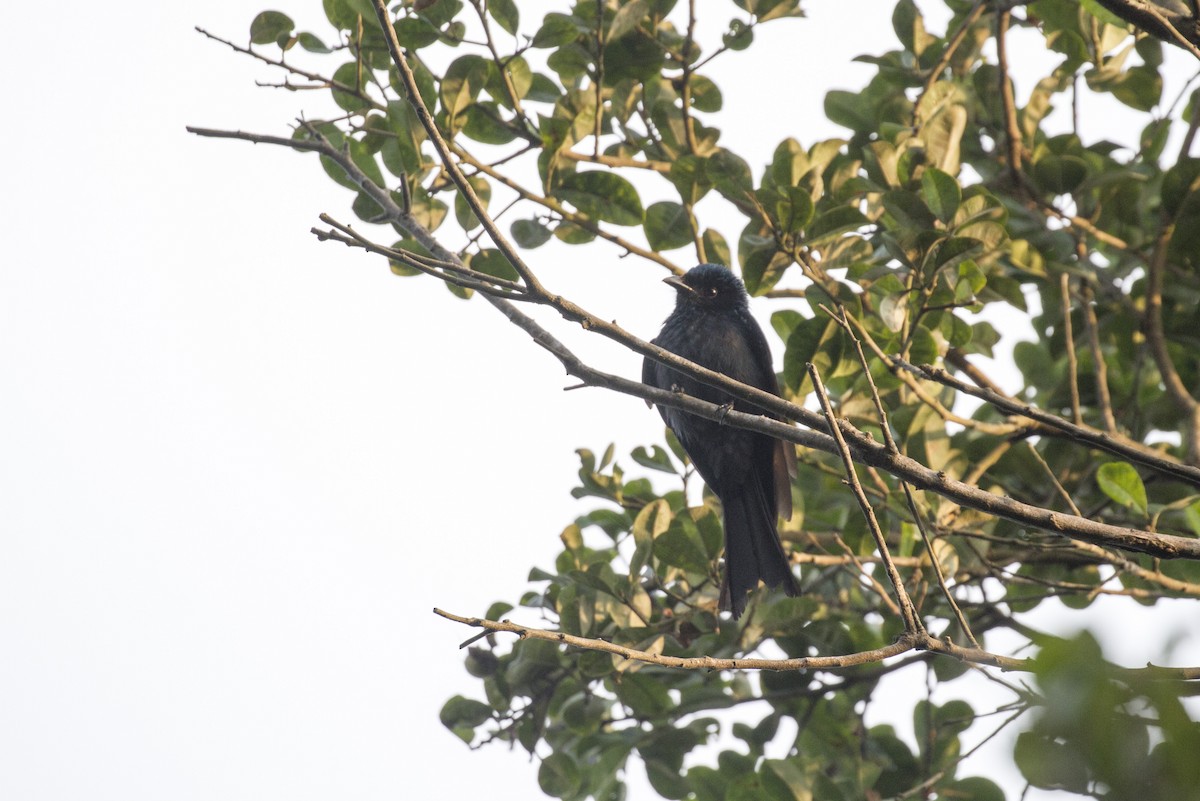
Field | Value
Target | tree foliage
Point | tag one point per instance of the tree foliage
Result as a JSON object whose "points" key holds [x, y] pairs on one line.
{"points": [[946, 195]]}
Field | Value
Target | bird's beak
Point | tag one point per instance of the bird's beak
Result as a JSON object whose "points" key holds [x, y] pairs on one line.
{"points": [[676, 283]]}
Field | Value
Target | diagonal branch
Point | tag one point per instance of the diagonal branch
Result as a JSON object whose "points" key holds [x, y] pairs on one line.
{"points": [[1176, 29], [1120, 446], [865, 449], [912, 622]]}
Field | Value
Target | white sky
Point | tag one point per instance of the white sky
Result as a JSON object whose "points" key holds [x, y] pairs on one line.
{"points": [[240, 466]]}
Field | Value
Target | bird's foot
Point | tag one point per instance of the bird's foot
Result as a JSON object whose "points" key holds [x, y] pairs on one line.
{"points": [[723, 410]]}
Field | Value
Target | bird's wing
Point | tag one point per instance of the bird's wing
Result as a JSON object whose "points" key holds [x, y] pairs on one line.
{"points": [[783, 461]]}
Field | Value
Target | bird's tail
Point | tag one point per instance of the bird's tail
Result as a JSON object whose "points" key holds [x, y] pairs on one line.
{"points": [[752, 548]]}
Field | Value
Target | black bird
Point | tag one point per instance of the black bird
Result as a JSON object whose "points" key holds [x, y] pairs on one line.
{"points": [[749, 472]]}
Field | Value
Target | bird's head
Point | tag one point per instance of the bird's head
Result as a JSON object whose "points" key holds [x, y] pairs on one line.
{"points": [[710, 287]]}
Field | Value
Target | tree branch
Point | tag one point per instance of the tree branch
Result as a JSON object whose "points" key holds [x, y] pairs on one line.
{"points": [[903, 644], [1120, 446], [1175, 29]]}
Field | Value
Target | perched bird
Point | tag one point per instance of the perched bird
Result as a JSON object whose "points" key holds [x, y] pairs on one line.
{"points": [[750, 472]]}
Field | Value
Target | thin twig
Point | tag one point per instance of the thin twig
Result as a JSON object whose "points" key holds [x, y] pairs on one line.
{"points": [[1103, 398], [908, 612], [889, 441], [1119, 445], [1064, 283], [956, 39], [1011, 130]]}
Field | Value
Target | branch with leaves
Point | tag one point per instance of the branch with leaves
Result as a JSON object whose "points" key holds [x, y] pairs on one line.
{"points": [[957, 521]]}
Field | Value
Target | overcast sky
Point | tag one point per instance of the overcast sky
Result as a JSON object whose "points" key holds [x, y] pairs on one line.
{"points": [[239, 467]]}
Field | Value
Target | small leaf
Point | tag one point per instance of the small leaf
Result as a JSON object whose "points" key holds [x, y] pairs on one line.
{"points": [[941, 193], [893, 310], [269, 26], [506, 14], [602, 196], [530, 233], [559, 776], [972, 788], [627, 19], [739, 36], [462, 211], [1121, 482], [312, 44], [716, 249], [461, 712], [1060, 175], [492, 262], [656, 459], [1191, 514], [667, 226], [349, 75], [833, 223]]}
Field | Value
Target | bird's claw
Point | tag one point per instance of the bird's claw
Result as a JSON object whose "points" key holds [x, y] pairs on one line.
{"points": [[723, 410]]}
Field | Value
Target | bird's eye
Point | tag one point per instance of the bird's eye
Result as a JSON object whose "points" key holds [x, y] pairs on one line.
{"points": [[712, 291]]}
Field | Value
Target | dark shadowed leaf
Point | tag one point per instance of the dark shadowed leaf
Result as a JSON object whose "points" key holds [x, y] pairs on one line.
{"points": [[559, 775]]}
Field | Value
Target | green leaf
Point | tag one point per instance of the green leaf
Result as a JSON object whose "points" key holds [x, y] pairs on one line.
{"points": [[941, 193], [706, 95], [893, 311], [627, 19], [795, 212], [729, 173], [656, 459], [492, 262], [339, 14], [506, 14], [1046, 763], [802, 346], [1060, 175], [667, 226], [644, 694], [462, 212], [602, 196], [972, 788], [833, 223], [269, 26], [462, 715], [1191, 514], [559, 775], [1121, 482], [464, 79], [847, 109], [558, 30], [572, 234], [483, 123], [739, 36], [415, 32], [349, 75], [530, 233], [716, 249], [311, 43]]}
